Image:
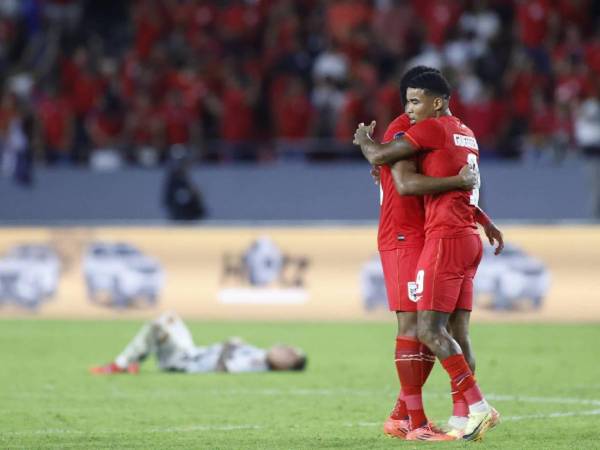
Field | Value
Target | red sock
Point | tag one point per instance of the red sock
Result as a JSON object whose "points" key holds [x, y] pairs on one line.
{"points": [[409, 366], [400, 412], [459, 404], [462, 377]]}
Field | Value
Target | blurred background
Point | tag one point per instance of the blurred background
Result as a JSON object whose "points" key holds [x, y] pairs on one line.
{"points": [[236, 117]]}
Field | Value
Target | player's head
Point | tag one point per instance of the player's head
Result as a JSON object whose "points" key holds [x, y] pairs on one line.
{"points": [[285, 357], [427, 96], [410, 74]]}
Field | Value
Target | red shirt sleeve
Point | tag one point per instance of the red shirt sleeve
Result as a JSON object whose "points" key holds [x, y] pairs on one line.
{"points": [[427, 135], [397, 128]]}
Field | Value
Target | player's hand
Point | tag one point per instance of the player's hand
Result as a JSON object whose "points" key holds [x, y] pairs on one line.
{"points": [[362, 135], [495, 236], [376, 174], [468, 177]]}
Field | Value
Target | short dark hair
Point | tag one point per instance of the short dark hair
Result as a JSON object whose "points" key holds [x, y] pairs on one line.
{"points": [[300, 364], [410, 74], [432, 83]]}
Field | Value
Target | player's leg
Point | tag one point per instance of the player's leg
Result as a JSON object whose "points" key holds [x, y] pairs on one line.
{"points": [[454, 259], [459, 329], [142, 344], [174, 342], [172, 331], [414, 361], [397, 424], [398, 266]]}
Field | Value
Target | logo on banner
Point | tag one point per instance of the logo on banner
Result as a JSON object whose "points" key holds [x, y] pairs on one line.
{"points": [[118, 275], [263, 274], [372, 284], [512, 280], [29, 275]]}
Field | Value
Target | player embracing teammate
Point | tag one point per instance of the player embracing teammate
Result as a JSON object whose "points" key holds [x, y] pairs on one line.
{"points": [[430, 250]]}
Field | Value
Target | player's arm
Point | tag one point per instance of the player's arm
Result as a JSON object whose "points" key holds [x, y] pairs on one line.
{"points": [[409, 182], [491, 231], [228, 347], [378, 154]]}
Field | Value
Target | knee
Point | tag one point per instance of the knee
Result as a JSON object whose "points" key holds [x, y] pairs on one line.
{"points": [[427, 335], [471, 362], [407, 324]]}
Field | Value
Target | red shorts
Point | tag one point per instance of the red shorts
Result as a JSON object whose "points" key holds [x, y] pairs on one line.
{"points": [[398, 270], [445, 272]]}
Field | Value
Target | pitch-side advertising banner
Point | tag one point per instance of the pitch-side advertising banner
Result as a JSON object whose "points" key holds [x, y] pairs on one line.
{"points": [[295, 273]]}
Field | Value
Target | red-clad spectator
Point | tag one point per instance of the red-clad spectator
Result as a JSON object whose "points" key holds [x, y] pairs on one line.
{"points": [[293, 113], [533, 17], [572, 81], [549, 120], [81, 83], [202, 14], [86, 92], [592, 53], [551, 128], [388, 105], [486, 117], [56, 123], [354, 110], [239, 20], [190, 85], [8, 109], [392, 23], [237, 111], [143, 123], [575, 12], [105, 125], [148, 18], [521, 81], [179, 122], [438, 16], [571, 48], [365, 71], [344, 16]]}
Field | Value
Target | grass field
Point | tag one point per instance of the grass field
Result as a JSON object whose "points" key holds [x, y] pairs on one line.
{"points": [[544, 379]]}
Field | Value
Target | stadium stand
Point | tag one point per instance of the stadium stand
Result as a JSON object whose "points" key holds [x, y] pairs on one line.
{"points": [[119, 83]]}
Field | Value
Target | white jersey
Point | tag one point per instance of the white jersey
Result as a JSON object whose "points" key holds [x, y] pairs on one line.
{"points": [[243, 358], [175, 350]]}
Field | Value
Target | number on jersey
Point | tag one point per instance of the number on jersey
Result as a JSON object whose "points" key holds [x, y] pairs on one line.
{"points": [[472, 162], [415, 288]]}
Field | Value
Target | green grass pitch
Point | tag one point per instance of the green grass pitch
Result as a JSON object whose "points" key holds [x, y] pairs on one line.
{"points": [[544, 379]]}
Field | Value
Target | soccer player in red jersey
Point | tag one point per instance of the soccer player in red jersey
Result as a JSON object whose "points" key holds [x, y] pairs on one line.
{"points": [[443, 286], [400, 241]]}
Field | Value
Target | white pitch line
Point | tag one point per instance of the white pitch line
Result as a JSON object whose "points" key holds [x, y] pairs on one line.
{"points": [[554, 415], [593, 412], [303, 392], [527, 399]]}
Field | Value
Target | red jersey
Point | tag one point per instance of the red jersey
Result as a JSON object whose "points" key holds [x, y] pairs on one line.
{"points": [[402, 217], [446, 145]]}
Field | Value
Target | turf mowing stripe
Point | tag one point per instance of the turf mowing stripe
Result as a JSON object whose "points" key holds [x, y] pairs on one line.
{"points": [[187, 429], [335, 392], [192, 428]]}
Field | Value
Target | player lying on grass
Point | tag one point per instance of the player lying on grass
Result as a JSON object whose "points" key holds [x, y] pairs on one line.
{"points": [[171, 341], [400, 241], [443, 287]]}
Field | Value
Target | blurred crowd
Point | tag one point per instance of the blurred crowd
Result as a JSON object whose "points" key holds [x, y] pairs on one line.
{"points": [[116, 82]]}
